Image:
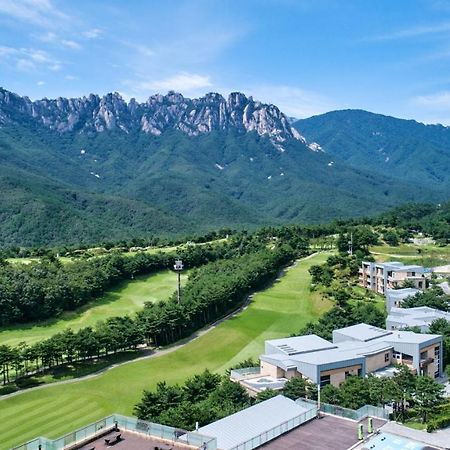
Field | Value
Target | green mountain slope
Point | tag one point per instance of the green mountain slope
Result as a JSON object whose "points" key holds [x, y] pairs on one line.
{"points": [[402, 149], [175, 165]]}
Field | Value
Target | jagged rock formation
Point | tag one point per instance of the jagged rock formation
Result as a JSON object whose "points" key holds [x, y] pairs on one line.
{"points": [[158, 114]]}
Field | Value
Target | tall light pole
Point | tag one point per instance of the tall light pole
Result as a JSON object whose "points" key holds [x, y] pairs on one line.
{"points": [[178, 267]]}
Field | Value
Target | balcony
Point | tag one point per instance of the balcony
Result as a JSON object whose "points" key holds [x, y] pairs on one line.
{"points": [[425, 362]]}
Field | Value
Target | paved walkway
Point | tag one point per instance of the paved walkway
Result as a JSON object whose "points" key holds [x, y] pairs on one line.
{"points": [[440, 438], [445, 287], [159, 352]]}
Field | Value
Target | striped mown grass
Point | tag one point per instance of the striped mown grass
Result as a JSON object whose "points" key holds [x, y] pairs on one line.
{"points": [[275, 312]]}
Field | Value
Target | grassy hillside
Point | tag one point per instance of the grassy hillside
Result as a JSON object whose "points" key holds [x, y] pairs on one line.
{"points": [[426, 255], [278, 311], [126, 299]]}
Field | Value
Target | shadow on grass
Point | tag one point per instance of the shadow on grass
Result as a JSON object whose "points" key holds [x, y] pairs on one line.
{"points": [[70, 371], [105, 299]]}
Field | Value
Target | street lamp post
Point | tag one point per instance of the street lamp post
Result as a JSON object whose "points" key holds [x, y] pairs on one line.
{"points": [[178, 267]]}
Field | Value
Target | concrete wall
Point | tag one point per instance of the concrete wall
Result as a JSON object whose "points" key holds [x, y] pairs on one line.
{"points": [[337, 376], [272, 370], [377, 361], [431, 368]]}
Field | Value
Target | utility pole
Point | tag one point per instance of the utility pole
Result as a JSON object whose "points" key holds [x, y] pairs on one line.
{"points": [[178, 267]]}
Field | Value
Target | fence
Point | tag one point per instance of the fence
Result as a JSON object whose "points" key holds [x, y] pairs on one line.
{"points": [[354, 414], [127, 423], [239, 374], [278, 430]]}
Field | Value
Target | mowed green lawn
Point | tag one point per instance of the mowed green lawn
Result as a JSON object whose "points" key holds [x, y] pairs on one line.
{"points": [[127, 298], [428, 255], [276, 312]]}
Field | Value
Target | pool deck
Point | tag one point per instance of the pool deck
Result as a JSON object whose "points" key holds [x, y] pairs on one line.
{"points": [[329, 432]]}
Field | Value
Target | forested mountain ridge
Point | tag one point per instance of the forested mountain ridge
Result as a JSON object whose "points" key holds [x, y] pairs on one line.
{"points": [[404, 149], [85, 170]]}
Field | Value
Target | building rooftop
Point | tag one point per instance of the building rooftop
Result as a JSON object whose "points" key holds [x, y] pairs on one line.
{"points": [[411, 338], [401, 293], [301, 344], [398, 266], [362, 332], [329, 432], [253, 421], [421, 316], [134, 441]]}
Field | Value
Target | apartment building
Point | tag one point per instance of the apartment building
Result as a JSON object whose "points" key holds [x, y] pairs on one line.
{"points": [[391, 275], [356, 350]]}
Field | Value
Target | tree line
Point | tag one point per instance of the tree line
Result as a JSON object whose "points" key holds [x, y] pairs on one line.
{"points": [[43, 289], [410, 395], [212, 291], [207, 397]]}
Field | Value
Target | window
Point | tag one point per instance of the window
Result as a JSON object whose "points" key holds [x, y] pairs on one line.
{"points": [[386, 357], [324, 380], [347, 374]]}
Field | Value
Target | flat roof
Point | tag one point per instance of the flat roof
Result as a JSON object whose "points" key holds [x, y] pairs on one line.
{"points": [[251, 422], [134, 441], [363, 332], [410, 337], [329, 432], [301, 344], [401, 293]]}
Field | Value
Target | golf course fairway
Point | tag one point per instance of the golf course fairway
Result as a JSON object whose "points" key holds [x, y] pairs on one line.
{"points": [[278, 311]]}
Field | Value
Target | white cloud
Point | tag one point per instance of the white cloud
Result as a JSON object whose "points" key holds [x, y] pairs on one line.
{"points": [[439, 101], [292, 100], [415, 31], [186, 83], [52, 38], [71, 44], [28, 59], [94, 33], [40, 83], [38, 12], [70, 77]]}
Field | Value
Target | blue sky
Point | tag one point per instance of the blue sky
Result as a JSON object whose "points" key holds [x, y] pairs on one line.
{"points": [[306, 56]]}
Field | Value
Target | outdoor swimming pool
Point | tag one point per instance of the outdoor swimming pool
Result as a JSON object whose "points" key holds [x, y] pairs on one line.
{"points": [[385, 441]]}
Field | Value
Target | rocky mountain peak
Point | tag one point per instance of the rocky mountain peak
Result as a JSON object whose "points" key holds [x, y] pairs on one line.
{"points": [[158, 114]]}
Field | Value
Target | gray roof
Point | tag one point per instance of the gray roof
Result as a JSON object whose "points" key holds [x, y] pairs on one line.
{"points": [[397, 266], [301, 344], [410, 337], [401, 293], [251, 422], [421, 316], [362, 332]]}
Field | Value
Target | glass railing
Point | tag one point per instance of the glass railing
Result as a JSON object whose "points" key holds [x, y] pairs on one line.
{"points": [[354, 414], [278, 430], [105, 425], [239, 374]]}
